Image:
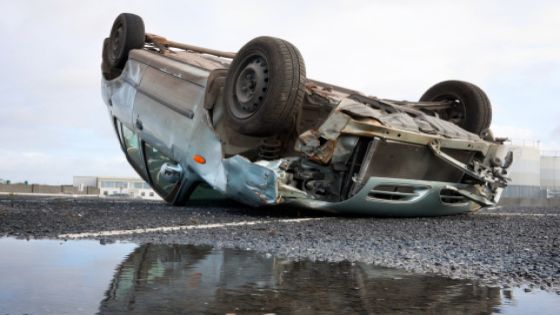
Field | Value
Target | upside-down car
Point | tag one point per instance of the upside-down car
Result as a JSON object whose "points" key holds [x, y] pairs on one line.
{"points": [[253, 127]]}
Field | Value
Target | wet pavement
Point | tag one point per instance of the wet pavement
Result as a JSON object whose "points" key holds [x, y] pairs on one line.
{"points": [[505, 247], [87, 277]]}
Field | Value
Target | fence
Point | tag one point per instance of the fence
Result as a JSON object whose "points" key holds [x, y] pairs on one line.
{"points": [[48, 189], [520, 191]]}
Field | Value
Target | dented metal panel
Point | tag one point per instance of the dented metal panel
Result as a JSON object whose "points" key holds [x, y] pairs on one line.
{"points": [[250, 183]]}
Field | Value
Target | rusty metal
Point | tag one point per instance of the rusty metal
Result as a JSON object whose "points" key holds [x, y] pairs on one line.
{"points": [[332, 87], [324, 153], [371, 128], [162, 41], [435, 105], [270, 148]]}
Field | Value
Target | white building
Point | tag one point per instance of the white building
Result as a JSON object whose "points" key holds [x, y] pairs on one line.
{"points": [[117, 186], [525, 172], [526, 167], [550, 170], [550, 174], [534, 173]]}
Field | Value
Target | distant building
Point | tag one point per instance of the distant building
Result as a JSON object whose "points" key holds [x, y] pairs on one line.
{"points": [[525, 172], [526, 167], [550, 174], [84, 181], [534, 173], [117, 186], [550, 170]]}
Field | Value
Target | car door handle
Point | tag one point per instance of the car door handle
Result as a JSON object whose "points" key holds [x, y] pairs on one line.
{"points": [[139, 124]]}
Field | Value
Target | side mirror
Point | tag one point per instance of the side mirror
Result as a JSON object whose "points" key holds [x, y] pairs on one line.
{"points": [[170, 172]]}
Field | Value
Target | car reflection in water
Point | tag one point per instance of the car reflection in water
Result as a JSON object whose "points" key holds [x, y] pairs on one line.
{"points": [[184, 279]]}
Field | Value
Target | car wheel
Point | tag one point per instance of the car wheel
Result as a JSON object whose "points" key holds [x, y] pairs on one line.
{"points": [[108, 72], [127, 33], [470, 107], [264, 87]]}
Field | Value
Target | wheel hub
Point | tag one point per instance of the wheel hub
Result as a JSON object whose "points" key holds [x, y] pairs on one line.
{"points": [[455, 113], [250, 87]]}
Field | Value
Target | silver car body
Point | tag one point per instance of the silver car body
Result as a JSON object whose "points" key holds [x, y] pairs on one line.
{"points": [[172, 101]]}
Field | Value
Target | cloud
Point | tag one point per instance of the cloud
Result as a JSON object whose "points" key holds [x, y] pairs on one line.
{"points": [[514, 132], [51, 83], [547, 143]]}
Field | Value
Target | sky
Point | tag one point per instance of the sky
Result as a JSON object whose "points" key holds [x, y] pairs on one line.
{"points": [[54, 125]]}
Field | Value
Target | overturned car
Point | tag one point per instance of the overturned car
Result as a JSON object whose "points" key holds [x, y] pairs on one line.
{"points": [[252, 126]]}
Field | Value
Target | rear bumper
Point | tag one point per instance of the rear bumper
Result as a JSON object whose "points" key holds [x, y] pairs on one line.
{"points": [[423, 198], [259, 184]]}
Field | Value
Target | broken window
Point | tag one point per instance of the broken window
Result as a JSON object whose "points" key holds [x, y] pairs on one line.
{"points": [[132, 147], [155, 159]]}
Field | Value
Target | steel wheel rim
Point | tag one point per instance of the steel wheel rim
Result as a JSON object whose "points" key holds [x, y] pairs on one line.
{"points": [[250, 87]]}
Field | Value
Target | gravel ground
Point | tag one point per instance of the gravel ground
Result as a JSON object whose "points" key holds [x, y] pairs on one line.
{"points": [[507, 246]]}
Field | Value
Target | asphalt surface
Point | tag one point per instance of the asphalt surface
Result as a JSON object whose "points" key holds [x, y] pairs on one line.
{"points": [[507, 246]]}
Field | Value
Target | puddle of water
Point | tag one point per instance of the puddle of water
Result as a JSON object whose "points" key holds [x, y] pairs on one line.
{"points": [[83, 277], [56, 277]]}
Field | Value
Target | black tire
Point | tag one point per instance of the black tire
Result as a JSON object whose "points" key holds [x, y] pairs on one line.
{"points": [[471, 109], [127, 33], [108, 72], [265, 86]]}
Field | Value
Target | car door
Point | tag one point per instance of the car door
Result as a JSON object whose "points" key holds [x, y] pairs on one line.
{"points": [[166, 104]]}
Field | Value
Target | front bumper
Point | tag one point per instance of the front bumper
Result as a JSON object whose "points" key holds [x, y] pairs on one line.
{"points": [[423, 198], [258, 185]]}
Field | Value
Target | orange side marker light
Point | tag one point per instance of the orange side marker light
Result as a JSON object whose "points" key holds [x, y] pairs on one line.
{"points": [[199, 159]]}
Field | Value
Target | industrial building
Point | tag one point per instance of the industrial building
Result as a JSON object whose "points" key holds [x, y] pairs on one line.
{"points": [[550, 173], [534, 173], [117, 186]]}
